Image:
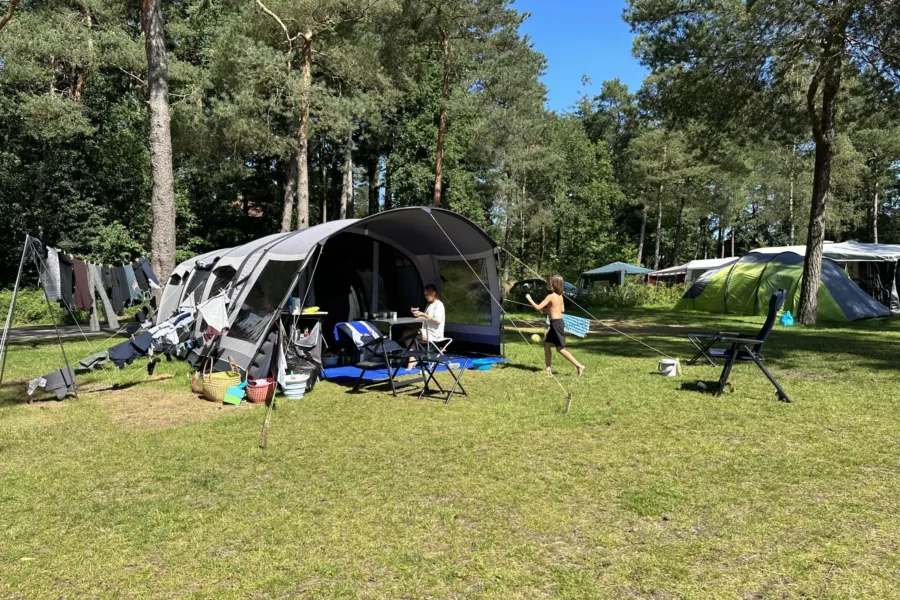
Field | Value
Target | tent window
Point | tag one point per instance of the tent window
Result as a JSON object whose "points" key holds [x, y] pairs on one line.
{"points": [[223, 278], [198, 279], [465, 298], [265, 297]]}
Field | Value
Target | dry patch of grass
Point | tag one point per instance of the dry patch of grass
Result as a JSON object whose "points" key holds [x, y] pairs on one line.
{"points": [[158, 409]]}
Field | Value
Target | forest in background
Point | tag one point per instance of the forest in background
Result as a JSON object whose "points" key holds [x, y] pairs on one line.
{"points": [[288, 113]]}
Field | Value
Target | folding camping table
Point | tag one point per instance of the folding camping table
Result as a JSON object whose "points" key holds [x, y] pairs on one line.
{"points": [[430, 363], [391, 323]]}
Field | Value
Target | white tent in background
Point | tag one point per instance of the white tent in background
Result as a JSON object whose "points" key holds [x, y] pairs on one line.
{"points": [[688, 272], [667, 276], [696, 268], [872, 266]]}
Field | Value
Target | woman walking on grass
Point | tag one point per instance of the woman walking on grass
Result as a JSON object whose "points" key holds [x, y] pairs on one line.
{"points": [[554, 306]]}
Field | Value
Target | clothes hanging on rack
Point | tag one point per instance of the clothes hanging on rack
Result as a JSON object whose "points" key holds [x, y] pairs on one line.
{"points": [[94, 361], [140, 276], [83, 298], [122, 283], [61, 382], [106, 276], [95, 282], [148, 271], [50, 274], [66, 281], [134, 290], [115, 291], [215, 312], [124, 353]]}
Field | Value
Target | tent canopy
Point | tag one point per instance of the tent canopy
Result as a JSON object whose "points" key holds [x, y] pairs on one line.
{"points": [[845, 251], [614, 273], [677, 270], [618, 267], [745, 286], [348, 268], [710, 263]]}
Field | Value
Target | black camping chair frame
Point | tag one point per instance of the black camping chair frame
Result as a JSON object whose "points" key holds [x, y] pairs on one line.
{"points": [[384, 353], [705, 342], [740, 347], [744, 349]]}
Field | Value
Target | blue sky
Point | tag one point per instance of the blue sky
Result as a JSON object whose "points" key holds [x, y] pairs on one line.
{"points": [[581, 37]]}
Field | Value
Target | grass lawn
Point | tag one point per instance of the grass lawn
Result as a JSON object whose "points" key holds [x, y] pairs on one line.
{"points": [[647, 489]]}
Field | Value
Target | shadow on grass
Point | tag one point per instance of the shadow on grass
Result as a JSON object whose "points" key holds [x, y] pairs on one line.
{"points": [[866, 347]]}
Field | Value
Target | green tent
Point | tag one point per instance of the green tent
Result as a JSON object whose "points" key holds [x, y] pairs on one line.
{"points": [[613, 273], [744, 288]]}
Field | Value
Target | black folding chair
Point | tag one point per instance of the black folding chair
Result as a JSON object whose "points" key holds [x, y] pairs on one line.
{"points": [[706, 342], [739, 347], [378, 352]]}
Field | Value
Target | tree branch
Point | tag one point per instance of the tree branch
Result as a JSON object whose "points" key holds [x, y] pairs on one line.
{"points": [[287, 34], [9, 13]]}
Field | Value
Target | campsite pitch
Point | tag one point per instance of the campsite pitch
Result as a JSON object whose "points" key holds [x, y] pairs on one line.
{"points": [[648, 488]]}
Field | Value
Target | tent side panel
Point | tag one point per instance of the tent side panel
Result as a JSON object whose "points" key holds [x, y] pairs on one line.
{"points": [[850, 302], [707, 293], [740, 298]]}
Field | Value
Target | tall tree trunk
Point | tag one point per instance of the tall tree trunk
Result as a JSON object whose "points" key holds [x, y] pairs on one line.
{"points": [[824, 131], [659, 213], [721, 242], [347, 184], [505, 255], [659, 202], [290, 186], [373, 175], [733, 226], [162, 244], [442, 120], [875, 209], [323, 177], [388, 191], [679, 231], [643, 232], [791, 207], [541, 251], [303, 134]]}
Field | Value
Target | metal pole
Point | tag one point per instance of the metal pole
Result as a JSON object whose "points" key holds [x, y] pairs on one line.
{"points": [[12, 305], [61, 348]]}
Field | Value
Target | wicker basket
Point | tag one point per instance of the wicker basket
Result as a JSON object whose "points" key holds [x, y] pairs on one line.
{"points": [[261, 391], [216, 384]]}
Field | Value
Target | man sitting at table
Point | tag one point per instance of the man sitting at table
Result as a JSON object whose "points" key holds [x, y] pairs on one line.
{"points": [[434, 315]]}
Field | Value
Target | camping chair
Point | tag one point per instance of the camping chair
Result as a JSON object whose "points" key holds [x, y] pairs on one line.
{"points": [[706, 343], [740, 347], [434, 344], [378, 352]]}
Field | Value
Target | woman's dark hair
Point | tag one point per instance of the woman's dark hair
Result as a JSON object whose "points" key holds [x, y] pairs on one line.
{"points": [[431, 289]]}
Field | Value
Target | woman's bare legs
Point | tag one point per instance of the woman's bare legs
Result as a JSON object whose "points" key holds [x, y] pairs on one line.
{"points": [[568, 356]]}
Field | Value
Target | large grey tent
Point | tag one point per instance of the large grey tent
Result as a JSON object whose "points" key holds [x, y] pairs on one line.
{"points": [[348, 267]]}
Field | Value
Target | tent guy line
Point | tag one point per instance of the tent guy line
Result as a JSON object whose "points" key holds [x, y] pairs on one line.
{"points": [[587, 312], [504, 311]]}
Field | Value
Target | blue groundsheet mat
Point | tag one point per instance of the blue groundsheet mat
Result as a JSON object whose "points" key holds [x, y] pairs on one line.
{"points": [[349, 374]]}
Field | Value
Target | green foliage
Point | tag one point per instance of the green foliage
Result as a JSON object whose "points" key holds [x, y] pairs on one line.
{"points": [[31, 309], [113, 243], [633, 295], [694, 159]]}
